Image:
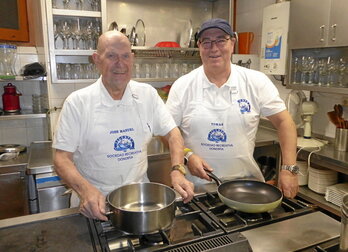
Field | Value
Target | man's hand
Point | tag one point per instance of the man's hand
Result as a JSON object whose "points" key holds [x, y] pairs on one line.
{"points": [[92, 204], [288, 183], [182, 186], [197, 167]]}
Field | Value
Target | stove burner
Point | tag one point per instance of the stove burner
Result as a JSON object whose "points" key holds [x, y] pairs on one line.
{"points": [[254, 217], [152, 239]]}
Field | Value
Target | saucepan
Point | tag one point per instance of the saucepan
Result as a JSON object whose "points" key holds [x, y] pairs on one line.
{"points": [[142, 208], [248, 196]]}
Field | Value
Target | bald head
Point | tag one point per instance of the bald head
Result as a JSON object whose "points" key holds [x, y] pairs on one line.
{"points": [[112, 37]]}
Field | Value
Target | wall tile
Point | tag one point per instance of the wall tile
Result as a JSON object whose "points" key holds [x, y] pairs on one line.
{"points": [[61, 90], [15, 136]]}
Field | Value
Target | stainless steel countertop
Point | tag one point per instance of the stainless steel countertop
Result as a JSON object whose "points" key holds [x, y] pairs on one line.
{"points": [[40, 158], [41, 154], [293, 234]]}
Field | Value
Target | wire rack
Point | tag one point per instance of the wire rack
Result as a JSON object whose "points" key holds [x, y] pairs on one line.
{"points": [[169, 52]]}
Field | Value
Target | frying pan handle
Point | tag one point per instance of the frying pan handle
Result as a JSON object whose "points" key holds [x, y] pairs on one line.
{"points": [[214, 177]]}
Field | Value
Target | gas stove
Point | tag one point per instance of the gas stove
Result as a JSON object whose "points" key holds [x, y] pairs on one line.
{"points": [[204, 224]]}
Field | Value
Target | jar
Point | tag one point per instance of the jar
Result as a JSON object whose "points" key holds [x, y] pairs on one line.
{"points": [[8, 54]]}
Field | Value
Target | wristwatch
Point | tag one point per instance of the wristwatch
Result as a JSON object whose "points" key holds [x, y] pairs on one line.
{"points": [[292, 168], [187, 156], [180, 168]]}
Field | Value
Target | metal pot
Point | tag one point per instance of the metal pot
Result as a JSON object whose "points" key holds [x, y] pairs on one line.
{"points": [[10, 151], [142, 208], [248, 196]]}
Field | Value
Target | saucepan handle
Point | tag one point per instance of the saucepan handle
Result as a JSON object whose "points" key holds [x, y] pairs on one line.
{"points": [[214, 177]]}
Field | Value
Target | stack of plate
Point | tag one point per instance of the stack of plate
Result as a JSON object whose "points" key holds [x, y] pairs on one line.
{"points": [[319, 179], [335, 193]]}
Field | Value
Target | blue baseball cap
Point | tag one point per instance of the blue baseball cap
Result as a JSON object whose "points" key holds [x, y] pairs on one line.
{"points": [[216, 23]]}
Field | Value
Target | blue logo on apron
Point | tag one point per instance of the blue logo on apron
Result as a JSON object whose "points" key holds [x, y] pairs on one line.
{"points": [[124, 143], [217, 135], [244, 106]]}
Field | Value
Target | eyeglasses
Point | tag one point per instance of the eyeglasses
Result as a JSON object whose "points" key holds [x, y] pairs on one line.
{"points": [[220, 43]]}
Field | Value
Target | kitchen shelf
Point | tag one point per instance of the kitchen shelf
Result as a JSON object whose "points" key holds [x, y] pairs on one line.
{"points": [[168, 52], [316, 88], [76, 13], [73, 52], [25, 78], [319, 200], [24, 114]]}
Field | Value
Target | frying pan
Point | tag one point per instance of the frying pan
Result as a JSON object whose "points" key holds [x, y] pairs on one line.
{"points": [[248, 196]]}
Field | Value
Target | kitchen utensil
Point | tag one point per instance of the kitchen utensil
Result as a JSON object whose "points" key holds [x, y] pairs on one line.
{"points": [[142, 208], [10, 99], [133, 36], [186, 33], [248, 196], [12, 148], [10, 151], [140, 29]]}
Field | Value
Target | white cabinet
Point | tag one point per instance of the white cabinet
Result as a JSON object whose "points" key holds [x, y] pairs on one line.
{"points": [[318, 23], [73, 30]]}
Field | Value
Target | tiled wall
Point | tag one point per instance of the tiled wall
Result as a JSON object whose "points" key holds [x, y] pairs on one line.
{"points": [[24, 131]]}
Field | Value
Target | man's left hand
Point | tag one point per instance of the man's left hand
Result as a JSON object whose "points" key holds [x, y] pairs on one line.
{"points": [[182, 186], [288, 183]]}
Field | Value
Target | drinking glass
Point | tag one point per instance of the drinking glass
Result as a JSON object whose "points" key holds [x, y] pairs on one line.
{"points": [[322, 71]]}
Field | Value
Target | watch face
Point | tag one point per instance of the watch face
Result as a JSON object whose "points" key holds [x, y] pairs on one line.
{"points": [[295, 169]]}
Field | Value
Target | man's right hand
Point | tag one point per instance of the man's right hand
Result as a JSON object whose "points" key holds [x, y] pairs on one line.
{"points": [[198, 167], [92, 204]]}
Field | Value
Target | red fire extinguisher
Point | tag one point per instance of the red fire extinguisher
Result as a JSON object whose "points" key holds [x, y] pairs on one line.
{"points": [[10, 99]]}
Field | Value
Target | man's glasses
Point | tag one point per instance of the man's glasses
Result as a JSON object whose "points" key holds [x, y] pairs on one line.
{"points": [[220, 43]]}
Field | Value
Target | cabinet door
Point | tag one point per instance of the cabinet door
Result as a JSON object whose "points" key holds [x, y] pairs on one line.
{"points": [[309, 23], [13, 195], [338, 35]]}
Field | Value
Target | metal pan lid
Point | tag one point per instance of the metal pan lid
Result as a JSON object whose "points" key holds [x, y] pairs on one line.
{"points": [[12, 148]]}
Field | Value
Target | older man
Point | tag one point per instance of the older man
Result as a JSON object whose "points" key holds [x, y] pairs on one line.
{"points": [[218, 108], [103, 131]]}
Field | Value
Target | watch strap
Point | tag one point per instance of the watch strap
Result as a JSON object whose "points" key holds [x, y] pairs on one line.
{"points": [[294, 169], [179, 167]]}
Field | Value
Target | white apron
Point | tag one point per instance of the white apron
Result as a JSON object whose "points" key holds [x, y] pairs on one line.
{"points": [[217, 134], [115, 149]]}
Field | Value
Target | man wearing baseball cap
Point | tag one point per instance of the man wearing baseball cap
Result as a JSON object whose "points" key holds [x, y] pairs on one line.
{"points": [[218, 106]]}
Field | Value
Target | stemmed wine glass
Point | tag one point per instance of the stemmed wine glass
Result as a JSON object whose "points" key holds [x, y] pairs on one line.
{"points": [[296, 65], [56, 35], [65, 34], [331, 68], [342, 67], [312, 63], [322, 71], [66, 4], [79, 4]]}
